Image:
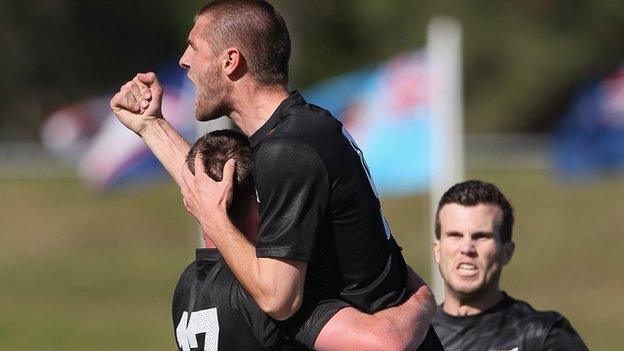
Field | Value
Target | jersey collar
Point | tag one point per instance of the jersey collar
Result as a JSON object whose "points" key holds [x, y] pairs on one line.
{"points": [[293, 99], [204, 254], [473, 319]]}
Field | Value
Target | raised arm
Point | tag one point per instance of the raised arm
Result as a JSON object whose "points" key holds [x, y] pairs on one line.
{"points": [[137, 105], [403, 327]]}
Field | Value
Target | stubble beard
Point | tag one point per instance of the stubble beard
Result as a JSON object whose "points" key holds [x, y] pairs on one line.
{"points": [[212, 99]]}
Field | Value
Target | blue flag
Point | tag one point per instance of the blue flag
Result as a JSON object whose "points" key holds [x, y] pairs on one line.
{"points": [[385, 109]]}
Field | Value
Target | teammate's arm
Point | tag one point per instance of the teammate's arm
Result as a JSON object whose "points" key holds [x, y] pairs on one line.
{"points": [[137, 105], [276, 284], [403, 327], [293, 189]]}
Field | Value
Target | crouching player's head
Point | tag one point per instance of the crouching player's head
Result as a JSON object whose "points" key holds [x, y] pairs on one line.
{"points": [[215, 149]]}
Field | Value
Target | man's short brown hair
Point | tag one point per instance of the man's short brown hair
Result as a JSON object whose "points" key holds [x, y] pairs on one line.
{"points": [[257, 30], [215, 149], [472, 193]]}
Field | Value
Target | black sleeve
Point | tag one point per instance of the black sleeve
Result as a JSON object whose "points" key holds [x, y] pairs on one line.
{"points": [[562, 337], [247, 313], [304, 327], [293, 190]]}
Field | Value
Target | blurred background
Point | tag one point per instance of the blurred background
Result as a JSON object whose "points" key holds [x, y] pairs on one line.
{"points": [[91, 243]]}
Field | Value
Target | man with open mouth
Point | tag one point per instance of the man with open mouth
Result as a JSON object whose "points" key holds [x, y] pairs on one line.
{"points": [[473, 242]]}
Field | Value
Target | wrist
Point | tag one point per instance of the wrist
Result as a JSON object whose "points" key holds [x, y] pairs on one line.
{"points": [[214, 221], [152, 125]]}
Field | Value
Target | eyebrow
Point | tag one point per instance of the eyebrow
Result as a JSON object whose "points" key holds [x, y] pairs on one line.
{"points": [[483, 233], [454, 232]]}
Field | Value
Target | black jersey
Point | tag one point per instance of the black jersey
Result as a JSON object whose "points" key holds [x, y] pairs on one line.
{"points": [[509, 325], [212, 311], [318, 204]]}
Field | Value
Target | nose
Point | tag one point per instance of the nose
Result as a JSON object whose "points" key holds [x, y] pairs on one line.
{"points": [[467, 248], [185, 61]]}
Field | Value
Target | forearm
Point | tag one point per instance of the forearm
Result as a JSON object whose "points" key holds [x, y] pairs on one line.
{"points": [[397, 328], [411, 320], [275, 285], [352, 330], [167, 145]]}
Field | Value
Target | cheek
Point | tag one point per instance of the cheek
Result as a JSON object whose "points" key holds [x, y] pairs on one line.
{"points": [[447, 255], [492, 260]]}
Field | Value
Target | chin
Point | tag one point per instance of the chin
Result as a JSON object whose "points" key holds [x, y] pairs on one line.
{"points": [[468, 291], [201, 117], [204, 114], [208, 117], [209, 110]]}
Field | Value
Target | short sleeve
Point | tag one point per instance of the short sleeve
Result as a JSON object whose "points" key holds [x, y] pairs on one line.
{"points": [[293, 191], [305, 326], [562, 337], [263, 328]]}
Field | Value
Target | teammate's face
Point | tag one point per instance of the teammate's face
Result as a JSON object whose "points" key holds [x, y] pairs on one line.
{"points": [[204, 71], [469, 252]]}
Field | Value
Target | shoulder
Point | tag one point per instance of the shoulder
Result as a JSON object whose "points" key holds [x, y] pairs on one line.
{"points": [[186, 274], [287, 152], [309, 110], [524, 310], [282, 143], [552, 327], [308, 121], [183, 284]]}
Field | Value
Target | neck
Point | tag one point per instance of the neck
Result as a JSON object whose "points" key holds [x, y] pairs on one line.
{"points": [[459, 305], [254, 104]]}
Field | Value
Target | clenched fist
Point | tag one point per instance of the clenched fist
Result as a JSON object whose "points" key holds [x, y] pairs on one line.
{"points": [[138, 102]]}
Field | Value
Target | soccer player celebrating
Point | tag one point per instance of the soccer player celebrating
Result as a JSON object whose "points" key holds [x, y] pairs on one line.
{"points": [[209, 301], [473, 242], [320, 222]]}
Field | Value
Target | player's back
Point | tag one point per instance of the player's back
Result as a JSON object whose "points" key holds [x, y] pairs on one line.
{"points": [[352, 253], [211, 311]]}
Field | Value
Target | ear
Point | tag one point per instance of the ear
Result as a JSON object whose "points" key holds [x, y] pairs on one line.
{"points": [[232, 61], [436, 250], [508, 251]]}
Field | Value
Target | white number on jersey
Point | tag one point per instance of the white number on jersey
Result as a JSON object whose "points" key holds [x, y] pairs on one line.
{"points": [[204, 321]]}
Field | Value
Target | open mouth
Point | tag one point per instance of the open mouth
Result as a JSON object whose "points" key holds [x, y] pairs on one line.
{"points": [[188, 75], [466, 269]]}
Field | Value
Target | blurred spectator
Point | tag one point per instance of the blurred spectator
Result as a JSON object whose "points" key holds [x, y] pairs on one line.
{"points": [[590, 137]]}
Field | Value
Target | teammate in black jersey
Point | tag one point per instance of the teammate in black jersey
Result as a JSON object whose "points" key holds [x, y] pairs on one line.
{"points": [[473, 242], [212, 311], [320, 221]]}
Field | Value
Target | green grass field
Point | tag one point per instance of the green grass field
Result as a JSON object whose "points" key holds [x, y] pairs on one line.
{"points": [[80, 270]]}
